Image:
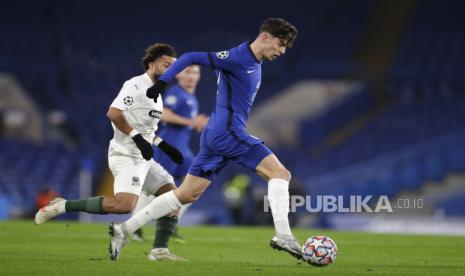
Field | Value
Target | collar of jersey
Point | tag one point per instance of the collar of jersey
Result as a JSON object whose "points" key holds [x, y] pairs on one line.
{"points": [[148, 79], [247, 44]]}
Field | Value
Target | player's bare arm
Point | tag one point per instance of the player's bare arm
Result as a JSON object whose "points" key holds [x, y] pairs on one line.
{"points": [[169, 116], [117, 117], [198, 123]]}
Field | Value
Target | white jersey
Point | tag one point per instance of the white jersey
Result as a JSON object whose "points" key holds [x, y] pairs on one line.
{"points": [[141, 112]]}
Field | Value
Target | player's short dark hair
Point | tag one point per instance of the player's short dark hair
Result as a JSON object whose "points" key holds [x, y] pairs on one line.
{"points": [[153, 52], [281, 29]]}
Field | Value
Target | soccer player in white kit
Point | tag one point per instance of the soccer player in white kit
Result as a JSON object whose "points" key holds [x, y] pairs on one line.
{"points": [[134, 119]]}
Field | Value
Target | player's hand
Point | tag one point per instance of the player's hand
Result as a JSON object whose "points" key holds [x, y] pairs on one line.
{"points": [[156, 89], [200, 122], [172, 152], [144, 146]]}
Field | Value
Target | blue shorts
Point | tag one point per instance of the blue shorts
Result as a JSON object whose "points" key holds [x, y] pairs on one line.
{"points": [[218, 147], [176, 170]]}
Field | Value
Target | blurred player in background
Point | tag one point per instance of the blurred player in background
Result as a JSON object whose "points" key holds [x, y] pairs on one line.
{"points": [[134, 119], [180, 117], [225, 138]]}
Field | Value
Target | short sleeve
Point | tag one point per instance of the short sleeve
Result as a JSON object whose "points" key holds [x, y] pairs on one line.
{"points": [[171, 101], [126, 98]]}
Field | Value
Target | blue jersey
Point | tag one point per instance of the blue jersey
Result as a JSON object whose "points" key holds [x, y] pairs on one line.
{"points": [[185, 105], [239, 76], [225, 137]]}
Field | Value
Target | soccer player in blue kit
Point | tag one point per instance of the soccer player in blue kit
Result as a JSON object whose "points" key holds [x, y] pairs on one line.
{"points": [[180, 117], [225, 138]]}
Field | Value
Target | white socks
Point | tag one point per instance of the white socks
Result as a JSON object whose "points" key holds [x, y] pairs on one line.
{"points": [[159, 207], [143, 201], [183, 210], [278, 197], [61, 206]]}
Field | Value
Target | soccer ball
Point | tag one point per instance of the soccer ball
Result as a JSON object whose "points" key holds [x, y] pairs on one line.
{"points": [[319, 251]]}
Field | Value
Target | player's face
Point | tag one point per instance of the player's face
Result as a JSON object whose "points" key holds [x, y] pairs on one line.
{"points": [[161, 64], [189, 77], [273, 47]]}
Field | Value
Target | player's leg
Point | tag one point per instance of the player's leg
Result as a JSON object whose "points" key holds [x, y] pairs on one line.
{"points": [[278, 197], [204, 167], [177, 237], [121, 203], [267, 165], [158, 182], [129, 174], [179, 175], [278, 191], [190, 190], [164, 230], [126, 188], [183, 210], [202, 170], [143, 201], [178, 172]]}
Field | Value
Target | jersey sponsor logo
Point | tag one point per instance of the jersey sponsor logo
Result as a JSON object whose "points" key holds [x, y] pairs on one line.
{"points": [[128, 100], [135, 181], [223, 54], [155, 114]]}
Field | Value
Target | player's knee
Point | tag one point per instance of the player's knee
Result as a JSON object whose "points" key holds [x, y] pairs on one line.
{"points": [[186, 197], [282, 173], [288, 174], [165, 188], [123, 207]]}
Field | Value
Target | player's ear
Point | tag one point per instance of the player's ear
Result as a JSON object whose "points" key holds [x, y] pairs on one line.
{"points": [[264, 37]]}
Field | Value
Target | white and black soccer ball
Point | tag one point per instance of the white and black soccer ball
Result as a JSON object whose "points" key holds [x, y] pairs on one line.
{"points": [[319, 251]]}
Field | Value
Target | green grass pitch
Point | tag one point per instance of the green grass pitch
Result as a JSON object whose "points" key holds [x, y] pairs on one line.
{"points": [[70, 248]]}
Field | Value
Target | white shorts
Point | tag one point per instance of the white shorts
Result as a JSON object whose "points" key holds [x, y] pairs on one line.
{"points": [[130, 172]]}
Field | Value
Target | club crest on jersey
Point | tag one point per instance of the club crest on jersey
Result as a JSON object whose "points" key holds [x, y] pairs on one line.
{"points": [[171, 99], [128, 100], [222, 54], [155, 114]]}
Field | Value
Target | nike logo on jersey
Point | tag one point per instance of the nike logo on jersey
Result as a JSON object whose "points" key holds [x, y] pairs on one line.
{"points": [[250, 71]]}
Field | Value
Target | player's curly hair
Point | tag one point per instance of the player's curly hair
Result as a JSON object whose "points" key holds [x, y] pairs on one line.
{"points": [[153, 52], [281, 29]]}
